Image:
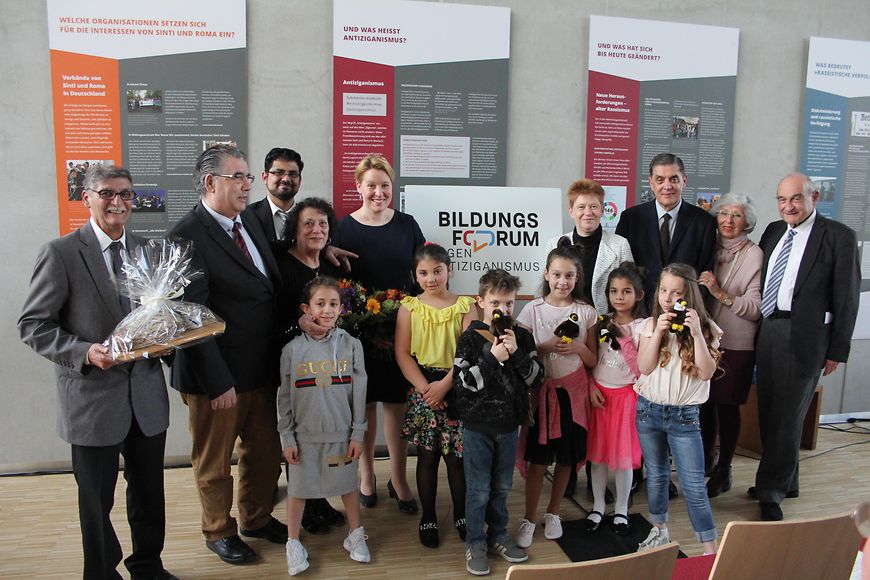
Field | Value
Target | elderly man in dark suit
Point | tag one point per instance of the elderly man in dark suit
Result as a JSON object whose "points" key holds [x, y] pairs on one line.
{"points": [[809, 302], [667, 230], [104, 409], [229, 384]]}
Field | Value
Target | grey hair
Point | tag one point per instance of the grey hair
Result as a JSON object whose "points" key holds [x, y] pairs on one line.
{"points": [[741, 200], [211, 161], [98, 174]]}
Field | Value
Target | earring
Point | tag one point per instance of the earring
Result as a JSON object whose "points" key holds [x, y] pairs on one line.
{"points": [[328, 241]]}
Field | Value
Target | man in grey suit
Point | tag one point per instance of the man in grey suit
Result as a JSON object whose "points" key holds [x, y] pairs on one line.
{"points": [[809, 302], [104, 409]]}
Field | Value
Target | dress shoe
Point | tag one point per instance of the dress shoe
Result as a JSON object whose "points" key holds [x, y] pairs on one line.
{"points": [[405, 506], [620, 525], [672, 490], [162, 575], [232, 550], [329, 514], [591, 525], [312, 521], [274, 531], [429, 534], [369, 501], [719, 482], [789, 495], [770, 511]]}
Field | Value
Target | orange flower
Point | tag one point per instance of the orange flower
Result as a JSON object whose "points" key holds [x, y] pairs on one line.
{"points": [[373, 306], [344, 283], [394, 294]]}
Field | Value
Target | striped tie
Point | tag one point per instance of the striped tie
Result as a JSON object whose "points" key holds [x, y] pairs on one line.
{"points": [[768, 304], [240, 241]]}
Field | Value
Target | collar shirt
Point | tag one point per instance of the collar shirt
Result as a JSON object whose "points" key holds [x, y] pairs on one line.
{"points": [[660, 212], [227, 225], [789, 277]]}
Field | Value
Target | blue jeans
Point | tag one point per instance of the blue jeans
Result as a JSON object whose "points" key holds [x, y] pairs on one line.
{"points": [[489, 475], [676, 428]]}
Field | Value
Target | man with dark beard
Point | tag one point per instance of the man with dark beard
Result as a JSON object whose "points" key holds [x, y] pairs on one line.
{"points": [[283, 178]]}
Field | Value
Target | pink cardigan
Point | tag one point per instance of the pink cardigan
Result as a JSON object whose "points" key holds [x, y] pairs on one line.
{"points": [[739, 322]]}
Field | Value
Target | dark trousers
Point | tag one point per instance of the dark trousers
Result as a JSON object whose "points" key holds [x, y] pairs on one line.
{"points": [[785, 390], [96, 473]]}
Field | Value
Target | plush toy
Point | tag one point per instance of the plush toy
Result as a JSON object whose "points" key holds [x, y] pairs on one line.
{"points": [[607, 332], [569, 329], [500, 323], [678, 322]]}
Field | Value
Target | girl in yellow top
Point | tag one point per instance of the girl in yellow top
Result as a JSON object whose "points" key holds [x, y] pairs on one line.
{"points": [[426, 331]]}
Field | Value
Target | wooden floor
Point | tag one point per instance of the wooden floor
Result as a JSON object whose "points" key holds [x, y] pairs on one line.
{"points": [[40, 536]]}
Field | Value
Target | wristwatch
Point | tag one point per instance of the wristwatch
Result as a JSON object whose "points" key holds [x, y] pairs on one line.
{"points": [[727, 301]]}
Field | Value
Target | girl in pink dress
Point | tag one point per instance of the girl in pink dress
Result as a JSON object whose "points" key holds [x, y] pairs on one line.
{"points": [[613, 443]]}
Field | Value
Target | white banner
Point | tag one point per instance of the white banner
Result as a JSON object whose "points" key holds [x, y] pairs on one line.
{"points": [[488, 227]]}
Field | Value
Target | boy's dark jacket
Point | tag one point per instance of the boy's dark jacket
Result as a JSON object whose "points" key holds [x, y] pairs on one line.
{"points": [[491, 397]]}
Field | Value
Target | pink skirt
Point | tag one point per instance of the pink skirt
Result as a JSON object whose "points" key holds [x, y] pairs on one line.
{"points": [[612, 430]]}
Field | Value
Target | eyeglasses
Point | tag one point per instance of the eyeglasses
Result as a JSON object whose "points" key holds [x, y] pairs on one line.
{"points": [[239, 177], [732, 215], [280, 173], [125, 194]]}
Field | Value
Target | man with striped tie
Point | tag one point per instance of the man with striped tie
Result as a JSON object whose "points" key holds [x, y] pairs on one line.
{"points": [[809, 303], [229, 384]]}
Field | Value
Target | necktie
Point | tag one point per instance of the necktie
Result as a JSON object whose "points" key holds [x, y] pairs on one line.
{"points": [[117, 261], [665, 237], [283, 216], [240, 241], [768, 303]]}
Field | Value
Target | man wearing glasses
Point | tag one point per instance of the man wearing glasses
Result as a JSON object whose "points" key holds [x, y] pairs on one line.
{"points": [[229, 384], [104, 409], [282, 176]]}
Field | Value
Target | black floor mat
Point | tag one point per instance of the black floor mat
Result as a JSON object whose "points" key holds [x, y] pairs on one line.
{"points": [[581, 546]]}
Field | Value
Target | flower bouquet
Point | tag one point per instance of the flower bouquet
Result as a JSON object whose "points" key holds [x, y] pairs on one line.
{"points": [[369, 316]]}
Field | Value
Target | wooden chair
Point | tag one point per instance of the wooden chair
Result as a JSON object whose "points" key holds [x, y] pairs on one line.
{"points": [[817, 549], [654, 564]]}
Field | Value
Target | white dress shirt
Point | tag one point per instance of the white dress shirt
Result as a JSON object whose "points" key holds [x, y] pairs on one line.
{"points": [[105, 241], [660, 211], [789, 277], [279, 216], [227, 224]]}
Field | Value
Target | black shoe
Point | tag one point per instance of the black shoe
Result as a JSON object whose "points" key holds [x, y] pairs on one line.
{"points": [[592, 525], [162, 575], [461, 527], [770, 511], [329, 514], [672, 490], [790, 495], [620, 528], [369, 501], [405, 506], [274, 531], [312, 521], [429, 534], [232, 550], [719, 482]]}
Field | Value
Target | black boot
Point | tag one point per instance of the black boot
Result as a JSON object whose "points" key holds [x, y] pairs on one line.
{"points": [[720, 481]]}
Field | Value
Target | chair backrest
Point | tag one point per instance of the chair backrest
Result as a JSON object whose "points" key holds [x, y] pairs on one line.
{"points": [[654, 564], [819, 548]]}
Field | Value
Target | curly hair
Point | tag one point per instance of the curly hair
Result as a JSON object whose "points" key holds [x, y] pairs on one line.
{"points": [[685, 341], [292, 224]]}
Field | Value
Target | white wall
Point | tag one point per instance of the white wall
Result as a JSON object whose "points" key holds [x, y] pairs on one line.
{"points": [[290, 80]]}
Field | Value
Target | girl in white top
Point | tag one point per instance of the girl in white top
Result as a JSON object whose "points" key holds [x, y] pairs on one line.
{"points": [[613, 443], [676, 369], [560, 405]]}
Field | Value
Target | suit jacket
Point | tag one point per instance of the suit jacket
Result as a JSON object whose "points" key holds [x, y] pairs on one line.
{"points": [[828, 280], [612, 251], [693, 241], [72, 303], [262, 211], [246, 355]]}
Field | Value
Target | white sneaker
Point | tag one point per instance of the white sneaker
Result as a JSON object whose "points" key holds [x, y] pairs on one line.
{"points": [[297, 557], [525, 534], [657, 537], [552, 526], [355, 543]]}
